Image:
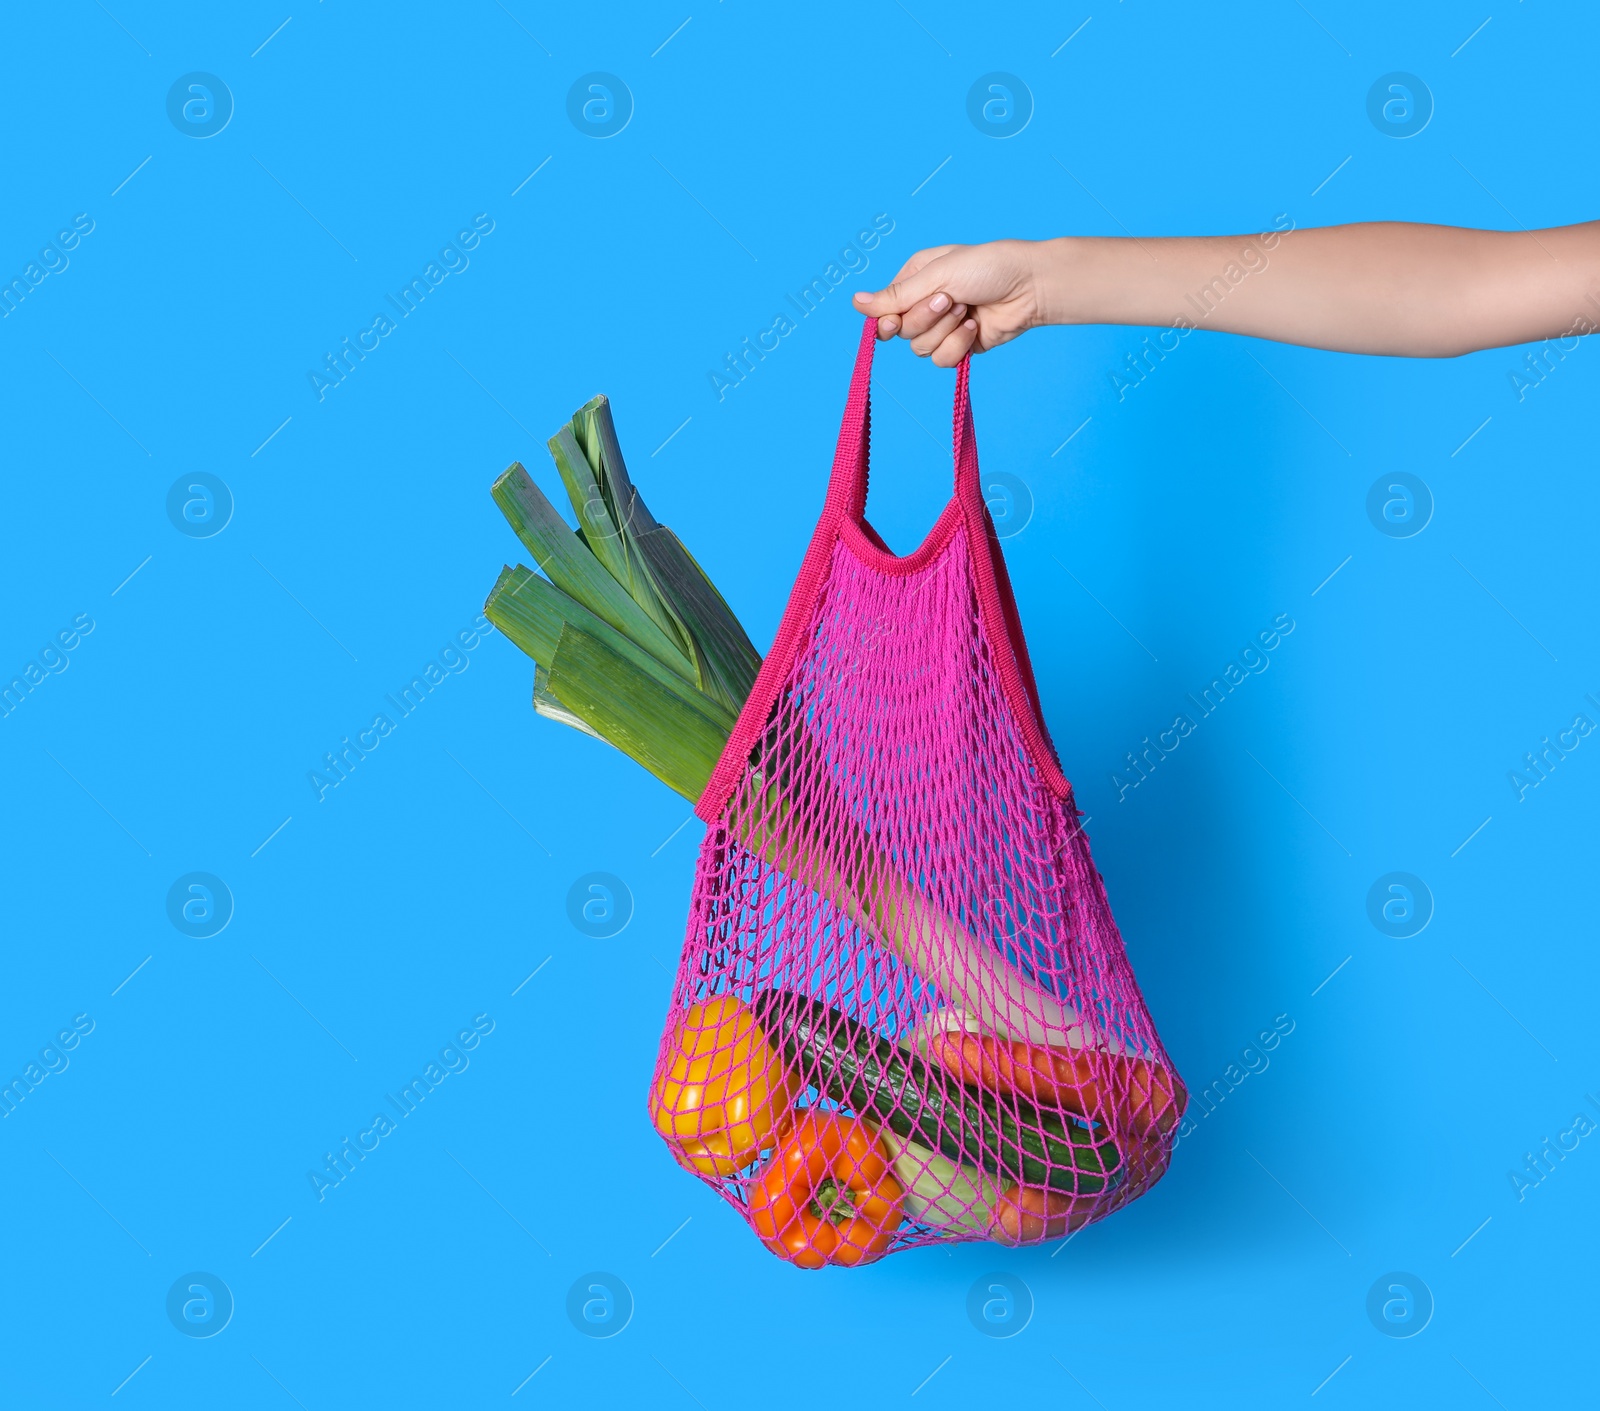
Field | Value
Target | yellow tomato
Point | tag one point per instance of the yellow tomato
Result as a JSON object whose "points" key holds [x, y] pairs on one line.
{"points": [[721, 1091]]}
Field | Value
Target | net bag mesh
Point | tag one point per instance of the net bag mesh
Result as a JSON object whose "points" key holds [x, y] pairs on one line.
{"points": [[903, 1013]]}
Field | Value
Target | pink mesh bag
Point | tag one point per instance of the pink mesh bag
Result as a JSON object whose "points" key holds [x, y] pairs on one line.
{"points": [[903, 1013]]}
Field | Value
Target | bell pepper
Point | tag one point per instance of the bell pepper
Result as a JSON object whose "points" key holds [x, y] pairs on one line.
{"points": [[827, 1195], [723, 1094]]}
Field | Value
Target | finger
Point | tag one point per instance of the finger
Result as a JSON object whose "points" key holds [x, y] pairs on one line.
{"points": [[921, 258], [931, 337], [919, 320], [957, 344], [903, 293]]}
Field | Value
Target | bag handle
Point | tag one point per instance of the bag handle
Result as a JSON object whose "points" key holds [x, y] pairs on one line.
{"points": [[847, 487]]}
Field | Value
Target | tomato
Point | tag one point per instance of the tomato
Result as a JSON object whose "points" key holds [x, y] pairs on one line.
{"points": [[722, 1093], [827, 1195], [1027, 1215], [1144, 1097]]}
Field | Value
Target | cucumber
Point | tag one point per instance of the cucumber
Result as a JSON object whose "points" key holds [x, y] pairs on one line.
{"points": [[1005, 1136]]}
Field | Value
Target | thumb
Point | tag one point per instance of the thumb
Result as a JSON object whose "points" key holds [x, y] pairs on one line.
{"points": [[917, 281]]}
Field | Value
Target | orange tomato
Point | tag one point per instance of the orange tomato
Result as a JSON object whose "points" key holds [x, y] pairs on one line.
{"points": [[724, 1092], [827, 1195]]}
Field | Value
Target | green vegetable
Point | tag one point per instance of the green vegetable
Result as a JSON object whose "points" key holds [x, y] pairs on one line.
{"points": [[958, 1200], [1009, 1138], [632, 642]]}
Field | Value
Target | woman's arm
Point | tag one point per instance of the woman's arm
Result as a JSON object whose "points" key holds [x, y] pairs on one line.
{"points": [[1418, 291]]}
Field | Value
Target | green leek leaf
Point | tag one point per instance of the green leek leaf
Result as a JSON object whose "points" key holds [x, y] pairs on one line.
{"points": [[636, 713], [571, 566], [533, 613]]}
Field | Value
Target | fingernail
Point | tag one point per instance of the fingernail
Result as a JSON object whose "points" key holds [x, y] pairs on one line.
{"points": [[972, 323], [939, 303]]}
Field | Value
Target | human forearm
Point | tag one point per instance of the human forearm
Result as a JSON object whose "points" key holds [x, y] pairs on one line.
{"points": [[1388, 288], [1403, 290]]}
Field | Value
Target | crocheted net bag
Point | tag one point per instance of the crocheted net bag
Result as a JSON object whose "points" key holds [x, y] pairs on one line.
{"points": [[903, 1013]]}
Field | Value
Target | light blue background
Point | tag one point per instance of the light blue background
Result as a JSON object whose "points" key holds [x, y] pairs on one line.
{"points": [[420, 893]]}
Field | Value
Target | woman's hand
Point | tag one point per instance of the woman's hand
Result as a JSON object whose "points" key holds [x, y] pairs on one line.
{"points": [[954, 299]]}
